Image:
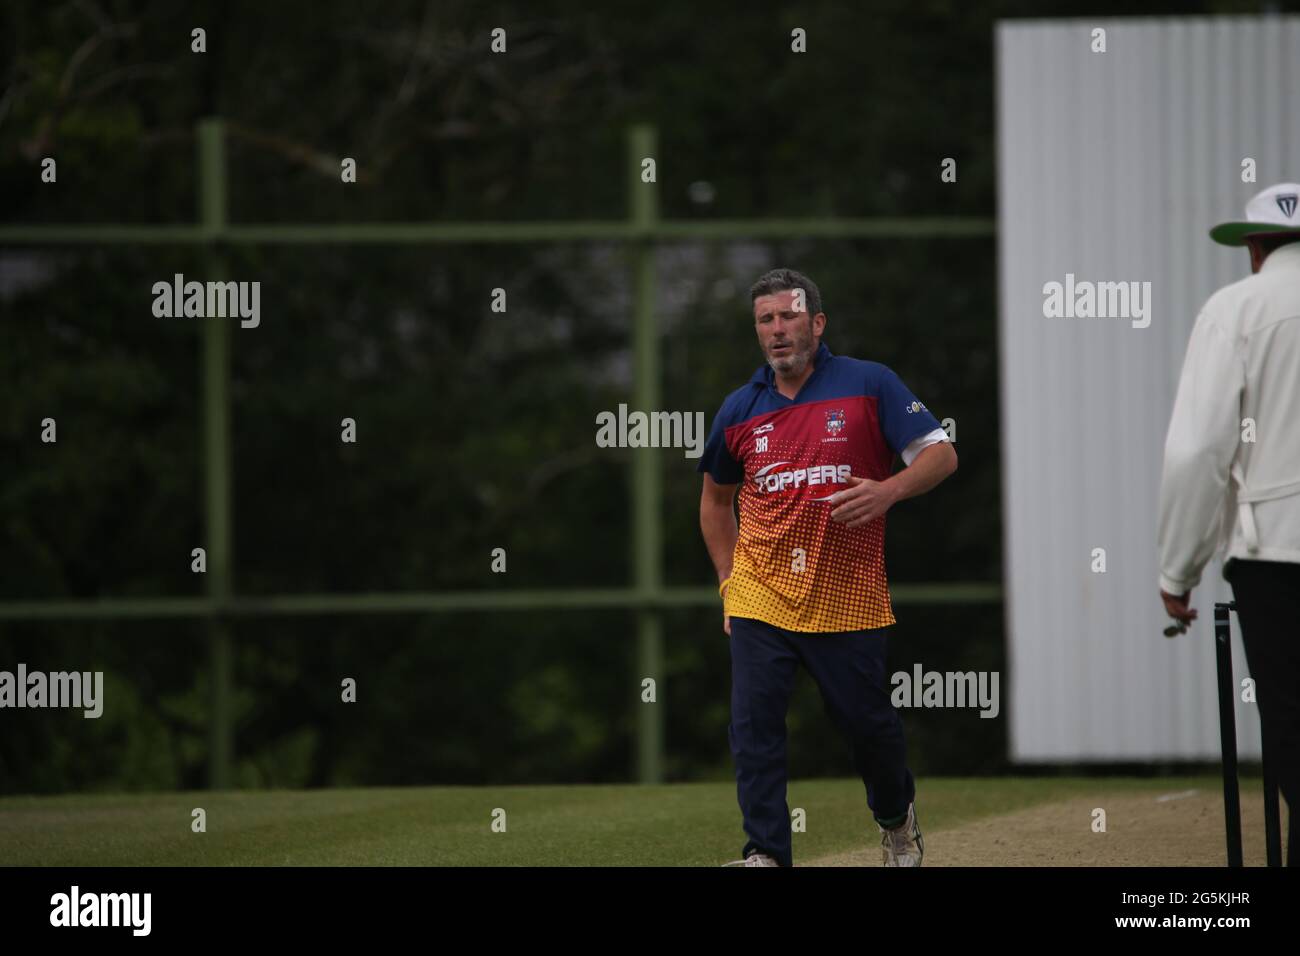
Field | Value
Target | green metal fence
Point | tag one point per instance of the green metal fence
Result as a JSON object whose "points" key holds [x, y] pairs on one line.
{"points": [[646, 596]]}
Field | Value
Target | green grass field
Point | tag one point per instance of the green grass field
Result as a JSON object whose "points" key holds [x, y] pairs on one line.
{"points": [[668, 825]]}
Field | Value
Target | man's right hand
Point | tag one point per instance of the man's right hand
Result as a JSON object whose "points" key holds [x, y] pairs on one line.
{"points": [[1176, 606], [726, 624]]}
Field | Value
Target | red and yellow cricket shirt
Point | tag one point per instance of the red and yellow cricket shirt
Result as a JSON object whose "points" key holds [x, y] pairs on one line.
{"points": [[793, 566]]}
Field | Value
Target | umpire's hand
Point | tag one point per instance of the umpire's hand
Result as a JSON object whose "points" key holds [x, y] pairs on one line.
{"points": [[1176, 606]]}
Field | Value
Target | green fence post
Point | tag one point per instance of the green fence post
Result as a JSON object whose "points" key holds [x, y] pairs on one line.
{"points": [[215, 405], [647, 464]]}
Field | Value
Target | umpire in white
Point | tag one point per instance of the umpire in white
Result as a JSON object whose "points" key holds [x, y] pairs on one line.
{"points": [[1232, 469]]}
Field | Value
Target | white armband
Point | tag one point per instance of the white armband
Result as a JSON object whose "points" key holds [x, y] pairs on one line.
{"points": [[929, 438]]}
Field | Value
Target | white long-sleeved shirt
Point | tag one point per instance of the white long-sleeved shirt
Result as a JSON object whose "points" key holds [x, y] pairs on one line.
{"points": [[1231, 477]]}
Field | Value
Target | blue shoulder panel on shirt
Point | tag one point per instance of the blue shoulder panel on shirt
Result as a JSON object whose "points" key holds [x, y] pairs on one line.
{"points": [[902, 417]]}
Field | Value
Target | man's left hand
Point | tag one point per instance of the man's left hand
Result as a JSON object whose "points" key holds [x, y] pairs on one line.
{"points": [[863, 502]]}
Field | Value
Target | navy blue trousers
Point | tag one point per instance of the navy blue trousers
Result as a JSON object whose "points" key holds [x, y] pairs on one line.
{"points": [[849, 669]]}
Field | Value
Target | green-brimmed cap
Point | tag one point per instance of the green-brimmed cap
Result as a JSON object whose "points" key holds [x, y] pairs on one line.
{"points": [[1274, 210]]}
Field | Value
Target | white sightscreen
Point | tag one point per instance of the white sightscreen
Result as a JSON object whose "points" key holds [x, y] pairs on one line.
{"points": [[1112, 167]]}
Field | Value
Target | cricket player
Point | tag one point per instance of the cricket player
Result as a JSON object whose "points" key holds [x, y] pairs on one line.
{"points": [[809, 441], [1231, 472]]}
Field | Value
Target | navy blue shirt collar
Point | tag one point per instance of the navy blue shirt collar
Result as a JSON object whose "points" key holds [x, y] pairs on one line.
{"points": [[765, 376]]}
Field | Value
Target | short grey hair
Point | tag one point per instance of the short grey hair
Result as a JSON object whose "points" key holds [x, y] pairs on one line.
{"points": [[781, 280]]}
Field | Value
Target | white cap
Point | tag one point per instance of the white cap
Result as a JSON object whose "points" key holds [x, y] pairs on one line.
{"points": [[1276, 209]]}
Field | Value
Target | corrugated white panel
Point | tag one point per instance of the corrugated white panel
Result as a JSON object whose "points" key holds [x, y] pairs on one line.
{"points": [[1112, 166]]}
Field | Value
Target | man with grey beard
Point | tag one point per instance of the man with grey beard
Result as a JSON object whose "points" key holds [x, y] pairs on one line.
{"points": [[809, 444]]}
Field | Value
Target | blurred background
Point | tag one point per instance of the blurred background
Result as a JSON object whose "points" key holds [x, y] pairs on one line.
{"points": [[475, 428]]}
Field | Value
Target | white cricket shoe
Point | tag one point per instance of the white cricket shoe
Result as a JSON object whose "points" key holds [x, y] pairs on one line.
{"points": [[754, 859], [903, 845]]}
